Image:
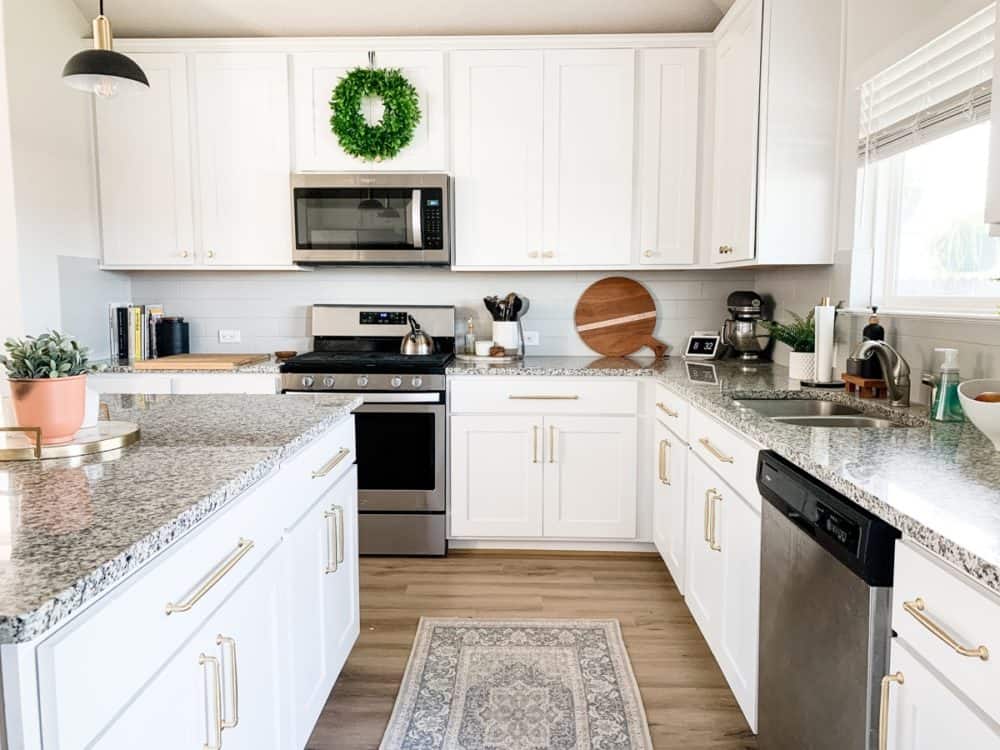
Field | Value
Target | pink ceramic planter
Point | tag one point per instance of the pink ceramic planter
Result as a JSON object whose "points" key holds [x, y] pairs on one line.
{"points": [[55, 405]]}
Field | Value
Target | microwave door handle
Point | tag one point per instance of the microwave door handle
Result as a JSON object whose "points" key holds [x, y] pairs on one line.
{"points": [[415, 206]]}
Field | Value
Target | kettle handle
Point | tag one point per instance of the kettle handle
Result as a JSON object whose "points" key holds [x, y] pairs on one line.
{"points": [[414, 325]]}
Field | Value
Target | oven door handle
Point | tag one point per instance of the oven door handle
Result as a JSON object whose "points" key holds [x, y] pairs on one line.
{"points": [[415, 218], [392, 398]]}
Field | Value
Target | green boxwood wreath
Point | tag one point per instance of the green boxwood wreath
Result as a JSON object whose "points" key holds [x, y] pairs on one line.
{"points": [[394, 132]]}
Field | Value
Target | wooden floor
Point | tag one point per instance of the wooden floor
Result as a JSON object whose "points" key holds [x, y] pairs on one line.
{"points": [[688, 704]]}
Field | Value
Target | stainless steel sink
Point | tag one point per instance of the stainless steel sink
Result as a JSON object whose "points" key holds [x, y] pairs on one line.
{"points": [[839, 421], [780, 408]]}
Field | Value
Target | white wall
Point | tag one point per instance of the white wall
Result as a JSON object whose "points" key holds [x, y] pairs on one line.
{"points": [[271, 309]]}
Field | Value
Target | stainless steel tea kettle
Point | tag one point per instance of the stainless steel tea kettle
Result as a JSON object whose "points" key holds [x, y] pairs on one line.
{"points": [[416, 341]]}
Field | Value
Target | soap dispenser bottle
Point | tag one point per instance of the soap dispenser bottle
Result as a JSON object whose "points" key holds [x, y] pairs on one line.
{"points": [[946, 406]]}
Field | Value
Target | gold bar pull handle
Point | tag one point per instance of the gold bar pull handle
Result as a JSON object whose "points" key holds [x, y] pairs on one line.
{"points": [[713, 542], [242, 549], [715, 451], [664, 476], [883, 709], [916, 610], [333, 538], [534, 443], [234, 681], [216, 700], [666, 409], [339, 510], [708, 503], [552, 444], [332, 464], [540, 397]]}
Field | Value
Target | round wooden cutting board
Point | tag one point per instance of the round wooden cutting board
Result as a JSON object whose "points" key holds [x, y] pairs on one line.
{"points": [[616, 317]]}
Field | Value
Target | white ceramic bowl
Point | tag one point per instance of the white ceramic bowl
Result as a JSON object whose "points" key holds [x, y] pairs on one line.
{"points": [[983, 414]]}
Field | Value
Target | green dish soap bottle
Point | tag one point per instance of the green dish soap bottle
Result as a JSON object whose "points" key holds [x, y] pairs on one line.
{"points": [[946, 406]]}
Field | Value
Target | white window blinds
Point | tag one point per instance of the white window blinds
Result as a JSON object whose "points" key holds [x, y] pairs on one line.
{"points": [[943, 86]]}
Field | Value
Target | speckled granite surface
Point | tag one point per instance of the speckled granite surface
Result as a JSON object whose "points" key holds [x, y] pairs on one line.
{"points": [[75, 527], [939, 484], [270, 367]]}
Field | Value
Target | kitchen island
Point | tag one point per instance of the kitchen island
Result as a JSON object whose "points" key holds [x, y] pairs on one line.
{"points": [[233, 514]]}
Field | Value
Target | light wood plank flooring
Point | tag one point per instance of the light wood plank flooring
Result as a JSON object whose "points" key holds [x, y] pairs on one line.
{"points": [[688, 703]]}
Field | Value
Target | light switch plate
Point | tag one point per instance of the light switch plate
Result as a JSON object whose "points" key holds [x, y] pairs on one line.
{"points": [[229, 335], [531, 338]]}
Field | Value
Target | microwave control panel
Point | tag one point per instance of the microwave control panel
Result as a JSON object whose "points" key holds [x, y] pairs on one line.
{"points": [[432, 222]]}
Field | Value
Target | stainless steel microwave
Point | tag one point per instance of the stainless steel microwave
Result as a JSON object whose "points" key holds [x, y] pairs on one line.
{"points": [[366, 219]]}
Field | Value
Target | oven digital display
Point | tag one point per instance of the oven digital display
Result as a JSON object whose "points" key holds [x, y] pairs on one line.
{"points": [[368, 318]]}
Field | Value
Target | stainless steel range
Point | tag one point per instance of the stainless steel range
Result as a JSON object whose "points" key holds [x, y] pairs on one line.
{"points": [[401, 451]]}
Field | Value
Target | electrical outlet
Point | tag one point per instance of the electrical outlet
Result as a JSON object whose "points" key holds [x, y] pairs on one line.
{"points": [[229, 335], [531, 338]]}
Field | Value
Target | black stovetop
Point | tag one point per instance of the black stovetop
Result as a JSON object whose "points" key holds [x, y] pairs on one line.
{"points": [[370, 362]]}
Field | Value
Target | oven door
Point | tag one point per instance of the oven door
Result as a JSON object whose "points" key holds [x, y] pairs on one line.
{"points": [[401, 452]]}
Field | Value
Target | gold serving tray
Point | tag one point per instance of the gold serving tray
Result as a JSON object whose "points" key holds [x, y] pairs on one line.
{"points": [[24, 443]]}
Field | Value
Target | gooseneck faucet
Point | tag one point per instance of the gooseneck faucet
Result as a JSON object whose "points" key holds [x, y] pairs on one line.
{"points": [[894, 368]]}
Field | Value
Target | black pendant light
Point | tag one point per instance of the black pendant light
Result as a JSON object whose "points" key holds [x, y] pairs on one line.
{"points": [[101, 70]]}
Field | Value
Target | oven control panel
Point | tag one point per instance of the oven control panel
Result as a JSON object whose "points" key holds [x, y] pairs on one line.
{"points": [[361, 382], [376, 318]]}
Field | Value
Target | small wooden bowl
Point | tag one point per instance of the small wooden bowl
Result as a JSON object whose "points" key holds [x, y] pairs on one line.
{"points": [[283, 355]]}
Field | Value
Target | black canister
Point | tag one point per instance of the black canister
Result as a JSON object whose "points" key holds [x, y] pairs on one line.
{"points": [[172, 337], [869, 368]]}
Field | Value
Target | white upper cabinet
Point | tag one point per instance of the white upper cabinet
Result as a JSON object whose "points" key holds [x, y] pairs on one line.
{"points": [[316, 75], [144, 155], [496, 131], [589, 128], [668, 155], [243, 158]]}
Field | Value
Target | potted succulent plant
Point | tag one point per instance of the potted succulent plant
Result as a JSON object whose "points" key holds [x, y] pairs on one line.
{"points": [[48, 383], [800, 336]]}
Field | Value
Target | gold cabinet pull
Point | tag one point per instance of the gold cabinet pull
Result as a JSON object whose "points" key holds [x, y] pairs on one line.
{"points": [[883, 709], [242, 549], [713, 542], [715, 451], [213, 664], [334, 536], [666, 410], [534, 443], [542, 397], [552, 443], [664, 477], [708, 502], [332, 464], [234, 682], [339, 510], [916, 610]]}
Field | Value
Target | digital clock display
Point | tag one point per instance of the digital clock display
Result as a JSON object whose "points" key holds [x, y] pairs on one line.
{"points": [[702, 345]]}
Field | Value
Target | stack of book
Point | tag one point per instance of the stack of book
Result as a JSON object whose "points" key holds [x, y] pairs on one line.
{"points": [[132, 332]]}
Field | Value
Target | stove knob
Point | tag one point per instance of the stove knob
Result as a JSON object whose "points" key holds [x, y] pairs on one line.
{"points": [[363, 380], [307, 381], [328, 382], [396, 382], [417, 381]]}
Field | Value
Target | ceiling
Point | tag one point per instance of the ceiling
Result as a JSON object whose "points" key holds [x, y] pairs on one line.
{"points": [[241, 18]]}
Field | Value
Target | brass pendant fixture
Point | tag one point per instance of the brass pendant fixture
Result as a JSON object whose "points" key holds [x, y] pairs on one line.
{"points": [[101, 70]]}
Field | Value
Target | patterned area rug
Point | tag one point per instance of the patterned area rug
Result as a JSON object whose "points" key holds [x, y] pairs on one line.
{"points": [[518, 685]]}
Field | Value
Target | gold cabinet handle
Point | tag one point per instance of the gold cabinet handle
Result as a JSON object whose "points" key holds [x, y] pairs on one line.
{"points": [[664, 477], [242, 549], [211, 253], [184, 253], [334, 536], [715, 451], [713, 542], [666, 410], [541, 397], [213, 664], [330, 465], [534, 443], [548, 254], [533, 254], [339, 510], [234, 682], [916, 610], [648, 254], [552, 443], [883, 709], [708, 503]]}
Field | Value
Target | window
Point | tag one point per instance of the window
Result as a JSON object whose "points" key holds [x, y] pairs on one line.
{"points": [[924, 150]]}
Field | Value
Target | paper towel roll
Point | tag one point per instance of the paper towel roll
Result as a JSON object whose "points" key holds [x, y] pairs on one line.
{"points": [[824, 317]]}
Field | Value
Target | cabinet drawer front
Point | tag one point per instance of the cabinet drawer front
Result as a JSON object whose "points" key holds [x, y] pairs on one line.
{"points": [[316, 468], [543, 395], [672, 411], [730, 455], [934, 610]]}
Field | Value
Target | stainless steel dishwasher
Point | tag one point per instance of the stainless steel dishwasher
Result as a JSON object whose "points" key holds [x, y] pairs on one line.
{"points": [[825, 598]]}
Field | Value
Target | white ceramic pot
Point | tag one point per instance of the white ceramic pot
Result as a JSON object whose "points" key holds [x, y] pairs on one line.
{"points": [[505, 334], [983, 414], [802, 365]]}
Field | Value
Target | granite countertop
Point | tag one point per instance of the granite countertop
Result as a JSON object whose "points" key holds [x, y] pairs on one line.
{"points": [[73, 528], [269, 367], [939, 484]]}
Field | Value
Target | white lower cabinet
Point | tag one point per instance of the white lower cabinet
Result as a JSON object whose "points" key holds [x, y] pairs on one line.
{"points": [[703, 572], [670, 460]]}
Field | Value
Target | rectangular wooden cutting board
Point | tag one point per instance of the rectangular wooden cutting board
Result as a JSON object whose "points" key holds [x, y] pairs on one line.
{"points": [[199, 362]]}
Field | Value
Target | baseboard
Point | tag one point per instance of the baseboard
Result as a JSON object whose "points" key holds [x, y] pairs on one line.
{"points": [[548, 545]]}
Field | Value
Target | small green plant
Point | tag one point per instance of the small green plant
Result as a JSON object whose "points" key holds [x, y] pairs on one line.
{"points": [[800, 334], [51, 355]]}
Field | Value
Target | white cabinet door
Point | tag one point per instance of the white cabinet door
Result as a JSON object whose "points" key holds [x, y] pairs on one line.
{"points": [[144, 157], [340, 591], [925, 714], [670, 459], [496, 132], [496, 476], [737, 100], [737, 529], [668, 155], [588, 157], [316, 76], [244, 159], [590, 479], [703, 573]]}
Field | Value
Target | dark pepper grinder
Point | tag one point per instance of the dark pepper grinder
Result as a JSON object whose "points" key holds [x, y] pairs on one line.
{"points": [[869, 368]]}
